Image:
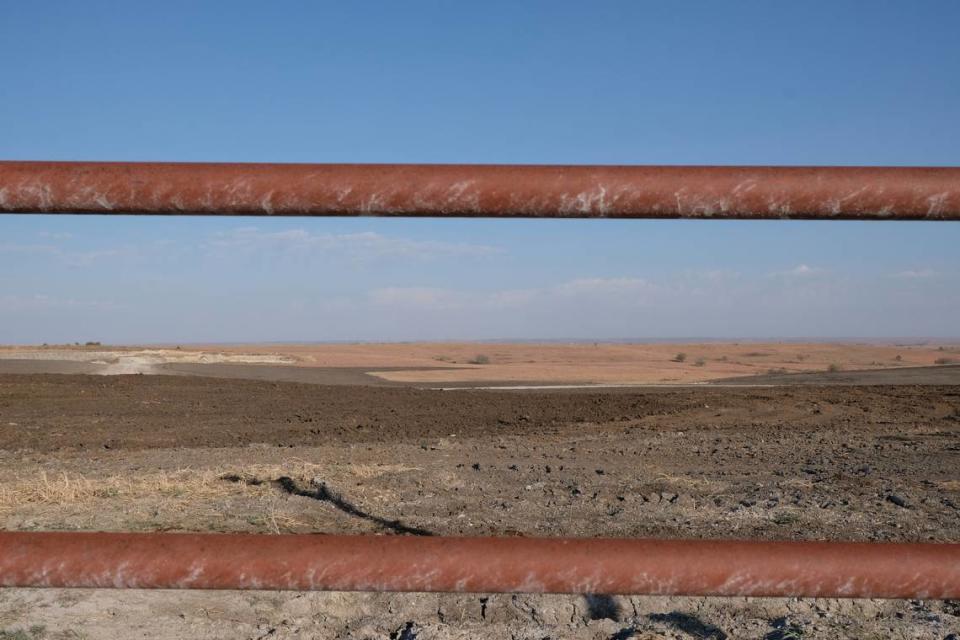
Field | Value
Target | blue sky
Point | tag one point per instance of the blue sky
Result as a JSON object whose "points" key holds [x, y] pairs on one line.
{"points": [[534, 82]]}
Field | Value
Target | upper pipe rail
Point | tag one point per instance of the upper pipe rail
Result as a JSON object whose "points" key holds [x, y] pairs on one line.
{"points": [[834, 193], [491, 565]]}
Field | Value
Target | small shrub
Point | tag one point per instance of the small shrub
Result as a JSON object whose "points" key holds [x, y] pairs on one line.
{"points": [[680, 357], [479, 359], [899, 358], [786, 517], [700, 362], [834, 367]]}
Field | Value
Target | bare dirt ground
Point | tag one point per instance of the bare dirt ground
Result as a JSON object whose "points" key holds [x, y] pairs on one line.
{"points": [[452, 364], [204, 454]]}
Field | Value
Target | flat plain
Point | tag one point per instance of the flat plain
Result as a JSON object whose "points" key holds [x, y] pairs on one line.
{"points": [[810, 453]]}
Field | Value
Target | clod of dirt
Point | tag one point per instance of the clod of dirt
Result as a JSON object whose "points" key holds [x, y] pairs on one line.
{"points": [[600, 607], [784, 630], [406, 632], [242, 479], [689, 624], [897, 500]]}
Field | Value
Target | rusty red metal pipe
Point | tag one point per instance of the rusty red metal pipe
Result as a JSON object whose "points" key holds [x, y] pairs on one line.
{"points": [[861, 193], [487, 565]]}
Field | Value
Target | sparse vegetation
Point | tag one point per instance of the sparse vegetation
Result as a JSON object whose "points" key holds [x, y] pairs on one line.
{"points": [[946, 361], [834, 368], [786, 517], [181, 485], [479, 359], [91, 344], [899, 358], [35, 632], [680, 357], [699, 362], [76, 489]]}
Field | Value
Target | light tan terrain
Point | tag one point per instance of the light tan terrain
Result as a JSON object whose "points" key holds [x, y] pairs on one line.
{"points": [[485, 363]]}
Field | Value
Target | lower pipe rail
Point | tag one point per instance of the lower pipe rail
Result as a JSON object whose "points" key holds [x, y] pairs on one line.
{"points": [[480, 565]]}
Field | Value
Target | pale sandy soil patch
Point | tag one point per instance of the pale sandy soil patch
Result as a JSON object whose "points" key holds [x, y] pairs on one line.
{"points": [[132, 360]]}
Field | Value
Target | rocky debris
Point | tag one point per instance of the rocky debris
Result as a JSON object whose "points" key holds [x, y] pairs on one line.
{"points": [[689, 624], [407, 632], [783, 629], [897, 500]]}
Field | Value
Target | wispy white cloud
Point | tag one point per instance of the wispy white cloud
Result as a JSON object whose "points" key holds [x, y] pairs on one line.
{"points": [[712, 275], [429, 298], [624, 289], [66, 256], [43, 302], [298, 243], [915, 274], [799, 271], [684, 303], [27, 248], [605, 286], [54, 235], [358, 245]]}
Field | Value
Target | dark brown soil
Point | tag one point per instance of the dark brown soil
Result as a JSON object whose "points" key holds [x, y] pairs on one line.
{"points": [[54, 412], [804, 462], [832, 462]]}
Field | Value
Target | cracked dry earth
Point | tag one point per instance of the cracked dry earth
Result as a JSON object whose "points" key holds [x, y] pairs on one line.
{"points": [[199, 454]]}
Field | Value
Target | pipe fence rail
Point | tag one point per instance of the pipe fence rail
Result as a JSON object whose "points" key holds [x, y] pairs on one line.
{"points": [[828, 193], [485, 565], [534, 565]]}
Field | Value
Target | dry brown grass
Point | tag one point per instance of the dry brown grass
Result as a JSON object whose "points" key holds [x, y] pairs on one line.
{"points": [[78, 489], [690, 483], [181, 485], [949, 485]]}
